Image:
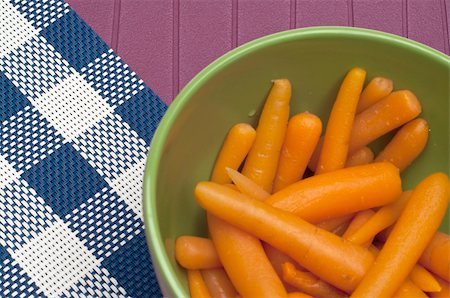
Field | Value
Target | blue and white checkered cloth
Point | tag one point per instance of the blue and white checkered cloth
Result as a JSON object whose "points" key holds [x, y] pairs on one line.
{"points": [[75, 128]]}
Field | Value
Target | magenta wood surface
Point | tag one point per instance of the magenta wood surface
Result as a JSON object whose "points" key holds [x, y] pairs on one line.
{"points": [[167, 42]]}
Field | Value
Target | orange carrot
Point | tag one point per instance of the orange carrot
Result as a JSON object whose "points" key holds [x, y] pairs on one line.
{"points": [[340, 263], [308, 283], [436, 256], [229, 241], [360, 157], [277, 258], [340, 192], [244, 259], [247, 186], [298, 295], [235, 148], [360, 219], [302, 135], [389, 113], [334, 223], [383, 218], [445, 289], [406, 145], [197, 286], [262, 160], [218, 283], [377, 89], [339, 128], [314, 160], [424, 279], [414, 229], [193, 252], [409, 290]]}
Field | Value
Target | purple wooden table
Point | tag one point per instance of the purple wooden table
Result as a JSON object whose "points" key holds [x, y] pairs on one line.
{"points": [[167, 42]]}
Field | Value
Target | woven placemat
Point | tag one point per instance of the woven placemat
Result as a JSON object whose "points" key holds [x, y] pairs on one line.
{"points": [[75, 128]]}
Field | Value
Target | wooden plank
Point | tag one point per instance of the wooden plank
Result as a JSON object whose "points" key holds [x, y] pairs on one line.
{"points": [[323, 13], [205, 33], [426, 24], [257, 18], [382, 15], [145, 42]]}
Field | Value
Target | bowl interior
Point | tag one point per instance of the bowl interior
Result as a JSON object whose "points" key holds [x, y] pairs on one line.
{"points": [[233, 89]]}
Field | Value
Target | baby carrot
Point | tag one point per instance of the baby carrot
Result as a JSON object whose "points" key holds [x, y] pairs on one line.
{"points": [[218, 283], [361, 156], [340, 192], [393, 111], [235, 148], [314, 160], [424, 279], [244, 259], [409, 290], [436, 256], [308, 283], [418, 222], [340, 263], [445, 289], [197, 287], [277, 258], [383, 218], [360, 219], [406, 145], [303, 133], [247, 186], [193, 252], [377, 89], [262, 160], [339, 128], [298, 295], [332, 224]]}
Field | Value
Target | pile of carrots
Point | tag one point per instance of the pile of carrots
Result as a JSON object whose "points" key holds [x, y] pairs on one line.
{"points": [[346, 228]]}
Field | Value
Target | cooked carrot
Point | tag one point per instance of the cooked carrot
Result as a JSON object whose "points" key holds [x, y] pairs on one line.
{"points": [[193, 252], [303, 133], [247, 186], [406, 145], [334, 223], [277, 258], [314, 160], [360, 219], [409, 290], [244, 259], [377, 89], [414, 229], [419, 276], [436, 256], [389, 113], [229, 240], [424, 279], [235, 148], [218, 283], [340, 122], [361, 156], [383, 218], [262, 160], [445, 289], [340, 263], [197, 287], [308, 283], [298, 295], [340, 192]]}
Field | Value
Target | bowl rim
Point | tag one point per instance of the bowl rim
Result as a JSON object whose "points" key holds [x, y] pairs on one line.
{"points": [[160, 259]]}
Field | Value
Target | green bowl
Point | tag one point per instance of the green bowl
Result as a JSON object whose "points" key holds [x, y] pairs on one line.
{"points": [[233, 89]]}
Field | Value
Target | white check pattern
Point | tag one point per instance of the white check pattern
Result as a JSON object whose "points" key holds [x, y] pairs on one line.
{"points": [[73, 146]]}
